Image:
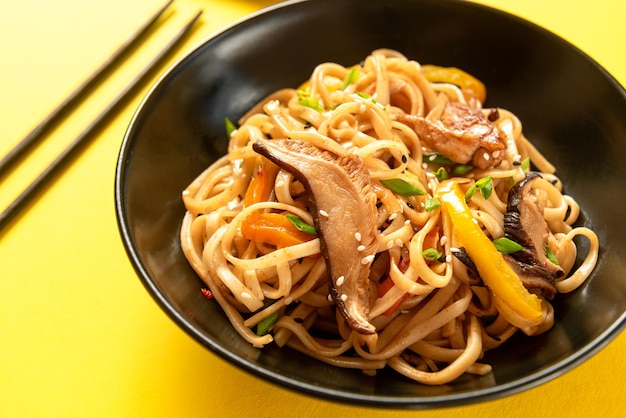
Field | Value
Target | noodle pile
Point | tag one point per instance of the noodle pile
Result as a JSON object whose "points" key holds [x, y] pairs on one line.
{"points": [[434, 317]]}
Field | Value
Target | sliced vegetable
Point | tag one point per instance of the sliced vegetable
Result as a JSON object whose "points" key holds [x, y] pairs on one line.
{"points": [[506, 245], [386, 285], [493, 269], [230, 127], [273, 228], [442, 174], [431, 254], [266, 324], [306, 100], [462, 169], [452, 75], [483, 185], [351, 77], [261, 185], [402, 187], [550, 256], [299, 223], [526, 164], [437, 158], [432, 204]]}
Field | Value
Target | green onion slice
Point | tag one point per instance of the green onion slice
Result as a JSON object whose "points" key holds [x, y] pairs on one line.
{"points": [[402, 187], [506, 245], [230, 127], [431, 254], [351, 77], [299, 223], [432, 204], [483, 185]]}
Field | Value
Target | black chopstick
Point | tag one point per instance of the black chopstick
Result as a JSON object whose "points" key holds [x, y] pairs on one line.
{"points": [[14, 207], [79, 93]]}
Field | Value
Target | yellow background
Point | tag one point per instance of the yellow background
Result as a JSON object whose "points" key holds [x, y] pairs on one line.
{"points": [[79, 335]]}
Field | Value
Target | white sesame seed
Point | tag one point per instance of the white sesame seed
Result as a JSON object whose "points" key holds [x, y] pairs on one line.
{"points": [[486, 155], [185, 192], [443, 240], [330, 298], [454, 249], [340, 280], [288, 301], [398, 242], [344, 297], [393, 216], [432, 157], [495, 154], [280, 183], [357, 236], [448, 258], [246, 295], [424, 166], [360, 247], [323, 213], [367, 259], [475, 221]]}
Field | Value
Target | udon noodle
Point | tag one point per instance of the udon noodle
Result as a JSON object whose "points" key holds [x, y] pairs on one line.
{"points": [[436, 299]]}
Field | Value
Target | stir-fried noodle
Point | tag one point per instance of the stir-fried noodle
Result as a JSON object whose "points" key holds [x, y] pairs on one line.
{"points": [[466, 244]]}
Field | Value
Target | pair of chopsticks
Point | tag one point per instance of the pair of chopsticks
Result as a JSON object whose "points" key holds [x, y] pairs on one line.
{"points": [[74, 98]]}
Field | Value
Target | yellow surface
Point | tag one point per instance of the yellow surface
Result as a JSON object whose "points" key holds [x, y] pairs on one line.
{"points": [[79, 335]]}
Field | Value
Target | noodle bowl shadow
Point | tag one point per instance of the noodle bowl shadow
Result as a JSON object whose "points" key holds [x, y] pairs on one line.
{"points": [[571, 109]]}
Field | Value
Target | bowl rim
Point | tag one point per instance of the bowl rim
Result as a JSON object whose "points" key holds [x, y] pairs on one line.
{"points": [[413, 402]]}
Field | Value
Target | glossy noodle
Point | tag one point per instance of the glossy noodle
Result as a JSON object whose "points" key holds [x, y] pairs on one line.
{"points": [[379, 216]]}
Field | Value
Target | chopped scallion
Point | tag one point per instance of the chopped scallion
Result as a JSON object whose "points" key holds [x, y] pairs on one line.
{"points": [[507, 246], [230, 127], [350, 78], [550, 255], [431, 254], [432, 204], [483, 185], [402, 187], [300, 224]]}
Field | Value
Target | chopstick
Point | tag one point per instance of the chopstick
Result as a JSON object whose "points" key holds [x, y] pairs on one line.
{"points": [[80, 92], [13, 208]]}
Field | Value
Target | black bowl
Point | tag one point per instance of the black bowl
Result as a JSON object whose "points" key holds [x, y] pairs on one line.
{"points": [[570, 107]]}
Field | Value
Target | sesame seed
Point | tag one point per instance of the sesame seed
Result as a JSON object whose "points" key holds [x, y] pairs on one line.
{"points": [[246, 295], [393, 216], [448, 258], [340, 280], [367, 259], [443, 240], [486, 155], [288, 301], [330, 298], [398, 242], [344, 297], [360, 247], [495, 154], [432, 157], [323, 213], [185, 192], [404, 159], [280, 183], [357, 236], [389, 245]]}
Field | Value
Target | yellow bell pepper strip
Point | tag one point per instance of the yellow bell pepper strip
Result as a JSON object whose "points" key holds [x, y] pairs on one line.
{"points": [[261, 185], [492, 267], [452, 75], [273, 228]]}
